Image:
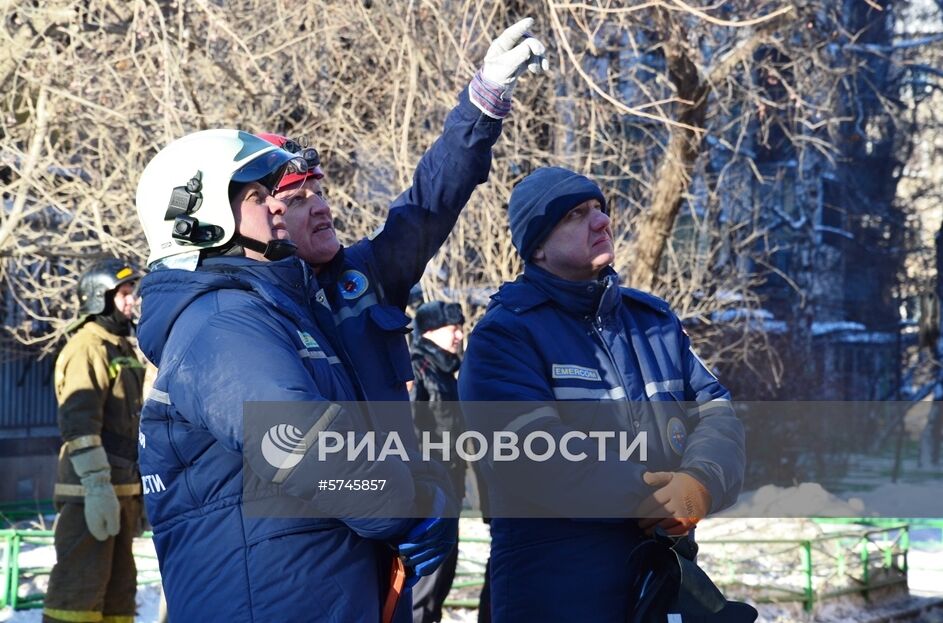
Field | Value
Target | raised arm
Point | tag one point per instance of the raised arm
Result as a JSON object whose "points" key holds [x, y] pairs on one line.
{"points": [[421, 218]]}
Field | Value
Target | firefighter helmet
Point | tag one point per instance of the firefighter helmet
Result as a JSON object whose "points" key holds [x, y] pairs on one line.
{"points": [[100, 280]]}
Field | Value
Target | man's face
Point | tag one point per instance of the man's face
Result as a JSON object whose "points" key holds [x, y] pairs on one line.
{"points": [[125, 299], [579, 246], [259, 216], [310, 222], [448, 338]]}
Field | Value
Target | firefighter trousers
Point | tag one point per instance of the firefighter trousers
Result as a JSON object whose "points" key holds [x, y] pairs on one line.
{"points": [[93, 580]]}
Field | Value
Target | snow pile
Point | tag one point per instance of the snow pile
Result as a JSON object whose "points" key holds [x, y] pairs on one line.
{"points": [[809, 499]]}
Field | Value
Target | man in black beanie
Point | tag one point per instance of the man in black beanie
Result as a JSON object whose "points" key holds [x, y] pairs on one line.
{"points": [[562, 333]]}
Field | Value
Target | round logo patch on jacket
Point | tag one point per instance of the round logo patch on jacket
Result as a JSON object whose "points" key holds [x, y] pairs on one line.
{"points": [[352, 284], [677, 435]]}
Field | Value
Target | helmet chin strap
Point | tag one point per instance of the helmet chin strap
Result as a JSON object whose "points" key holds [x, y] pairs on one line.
{"points": [[272, 250]]}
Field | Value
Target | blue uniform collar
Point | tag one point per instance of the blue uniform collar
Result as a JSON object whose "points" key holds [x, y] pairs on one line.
{"points": [[594, 297], [331, 270], [288, 285]]}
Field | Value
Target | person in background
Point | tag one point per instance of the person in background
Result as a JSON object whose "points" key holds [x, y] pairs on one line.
{"points": [[435, 357], [98, 384]]}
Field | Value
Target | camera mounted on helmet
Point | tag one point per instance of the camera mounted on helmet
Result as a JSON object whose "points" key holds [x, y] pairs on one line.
{"points": [[184, 200]]}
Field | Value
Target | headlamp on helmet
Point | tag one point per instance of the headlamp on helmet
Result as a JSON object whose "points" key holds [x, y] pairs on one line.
{"points": [[299, 147]]}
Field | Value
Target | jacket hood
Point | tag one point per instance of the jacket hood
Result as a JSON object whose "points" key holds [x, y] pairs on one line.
{"points": [[165, 294]]}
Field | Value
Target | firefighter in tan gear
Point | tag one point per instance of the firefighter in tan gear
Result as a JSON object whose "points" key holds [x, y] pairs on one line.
{"points": [[98, 494]]}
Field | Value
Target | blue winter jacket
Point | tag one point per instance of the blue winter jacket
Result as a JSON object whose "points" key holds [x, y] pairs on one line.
{"points": [[234, 331], [366, 286], [553, 341], [355, 313]]}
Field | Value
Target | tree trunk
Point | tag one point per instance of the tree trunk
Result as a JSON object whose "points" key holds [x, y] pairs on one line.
{"points": [[674, 173]]}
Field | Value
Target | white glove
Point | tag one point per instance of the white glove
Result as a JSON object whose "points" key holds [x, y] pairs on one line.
{"points": [[102, 510], [507, 58]]}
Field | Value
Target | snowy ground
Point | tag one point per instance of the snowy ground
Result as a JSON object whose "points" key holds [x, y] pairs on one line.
{"points": [[44, 555], [925, 560]]}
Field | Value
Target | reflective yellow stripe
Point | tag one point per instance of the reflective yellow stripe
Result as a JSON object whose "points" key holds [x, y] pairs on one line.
{"points": [[80, 443], [82, 616], [118, 618], [79, 491]]}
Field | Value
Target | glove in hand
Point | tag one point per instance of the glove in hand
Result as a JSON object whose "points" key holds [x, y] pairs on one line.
{"points": [[678, 503], [429, 542], [102, 510], [511, 53]]}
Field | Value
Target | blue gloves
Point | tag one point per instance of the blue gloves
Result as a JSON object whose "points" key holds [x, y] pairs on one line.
{"points": [[429, 542]]}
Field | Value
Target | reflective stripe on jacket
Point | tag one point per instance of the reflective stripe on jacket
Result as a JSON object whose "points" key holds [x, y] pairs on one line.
{"points": [[233, 332], [548, 342], [98, 383]]}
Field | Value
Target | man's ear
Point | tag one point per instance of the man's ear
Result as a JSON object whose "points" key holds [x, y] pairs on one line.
{"points": [[538, 254]]}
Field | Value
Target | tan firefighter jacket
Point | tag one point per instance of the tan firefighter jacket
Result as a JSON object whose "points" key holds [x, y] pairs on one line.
{"points": [[99, 389]]}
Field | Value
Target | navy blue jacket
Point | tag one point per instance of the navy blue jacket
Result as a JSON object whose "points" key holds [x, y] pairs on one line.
{"points": [[355, 315], [235, 331], [555, 342], [366, 286]]}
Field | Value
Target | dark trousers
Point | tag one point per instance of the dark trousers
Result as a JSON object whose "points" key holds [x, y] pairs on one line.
{"points": [[430, 592], [93, 578], [484, 600]]}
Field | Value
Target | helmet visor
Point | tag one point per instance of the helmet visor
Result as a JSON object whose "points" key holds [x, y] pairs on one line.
{"points": [[269, 168]]}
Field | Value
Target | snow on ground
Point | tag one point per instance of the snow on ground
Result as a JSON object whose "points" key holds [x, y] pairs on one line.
{"points": [[902, 499], [925, 560], [805, 500], [43, 555]]}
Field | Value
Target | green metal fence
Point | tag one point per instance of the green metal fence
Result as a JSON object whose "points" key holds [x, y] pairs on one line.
{"points": [[810, 570], [471, 578], [13, 512], [807, 571], [15, 576], [859, 560]]}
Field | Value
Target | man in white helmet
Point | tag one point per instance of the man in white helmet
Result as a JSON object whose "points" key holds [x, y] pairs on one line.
{"points": [[227, 320]]}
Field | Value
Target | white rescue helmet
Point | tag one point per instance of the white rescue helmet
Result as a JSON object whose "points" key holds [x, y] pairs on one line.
{"points": [[183, 194]]}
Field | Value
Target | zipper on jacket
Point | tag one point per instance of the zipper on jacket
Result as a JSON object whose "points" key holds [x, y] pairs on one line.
{"points": [[629, 411]]}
